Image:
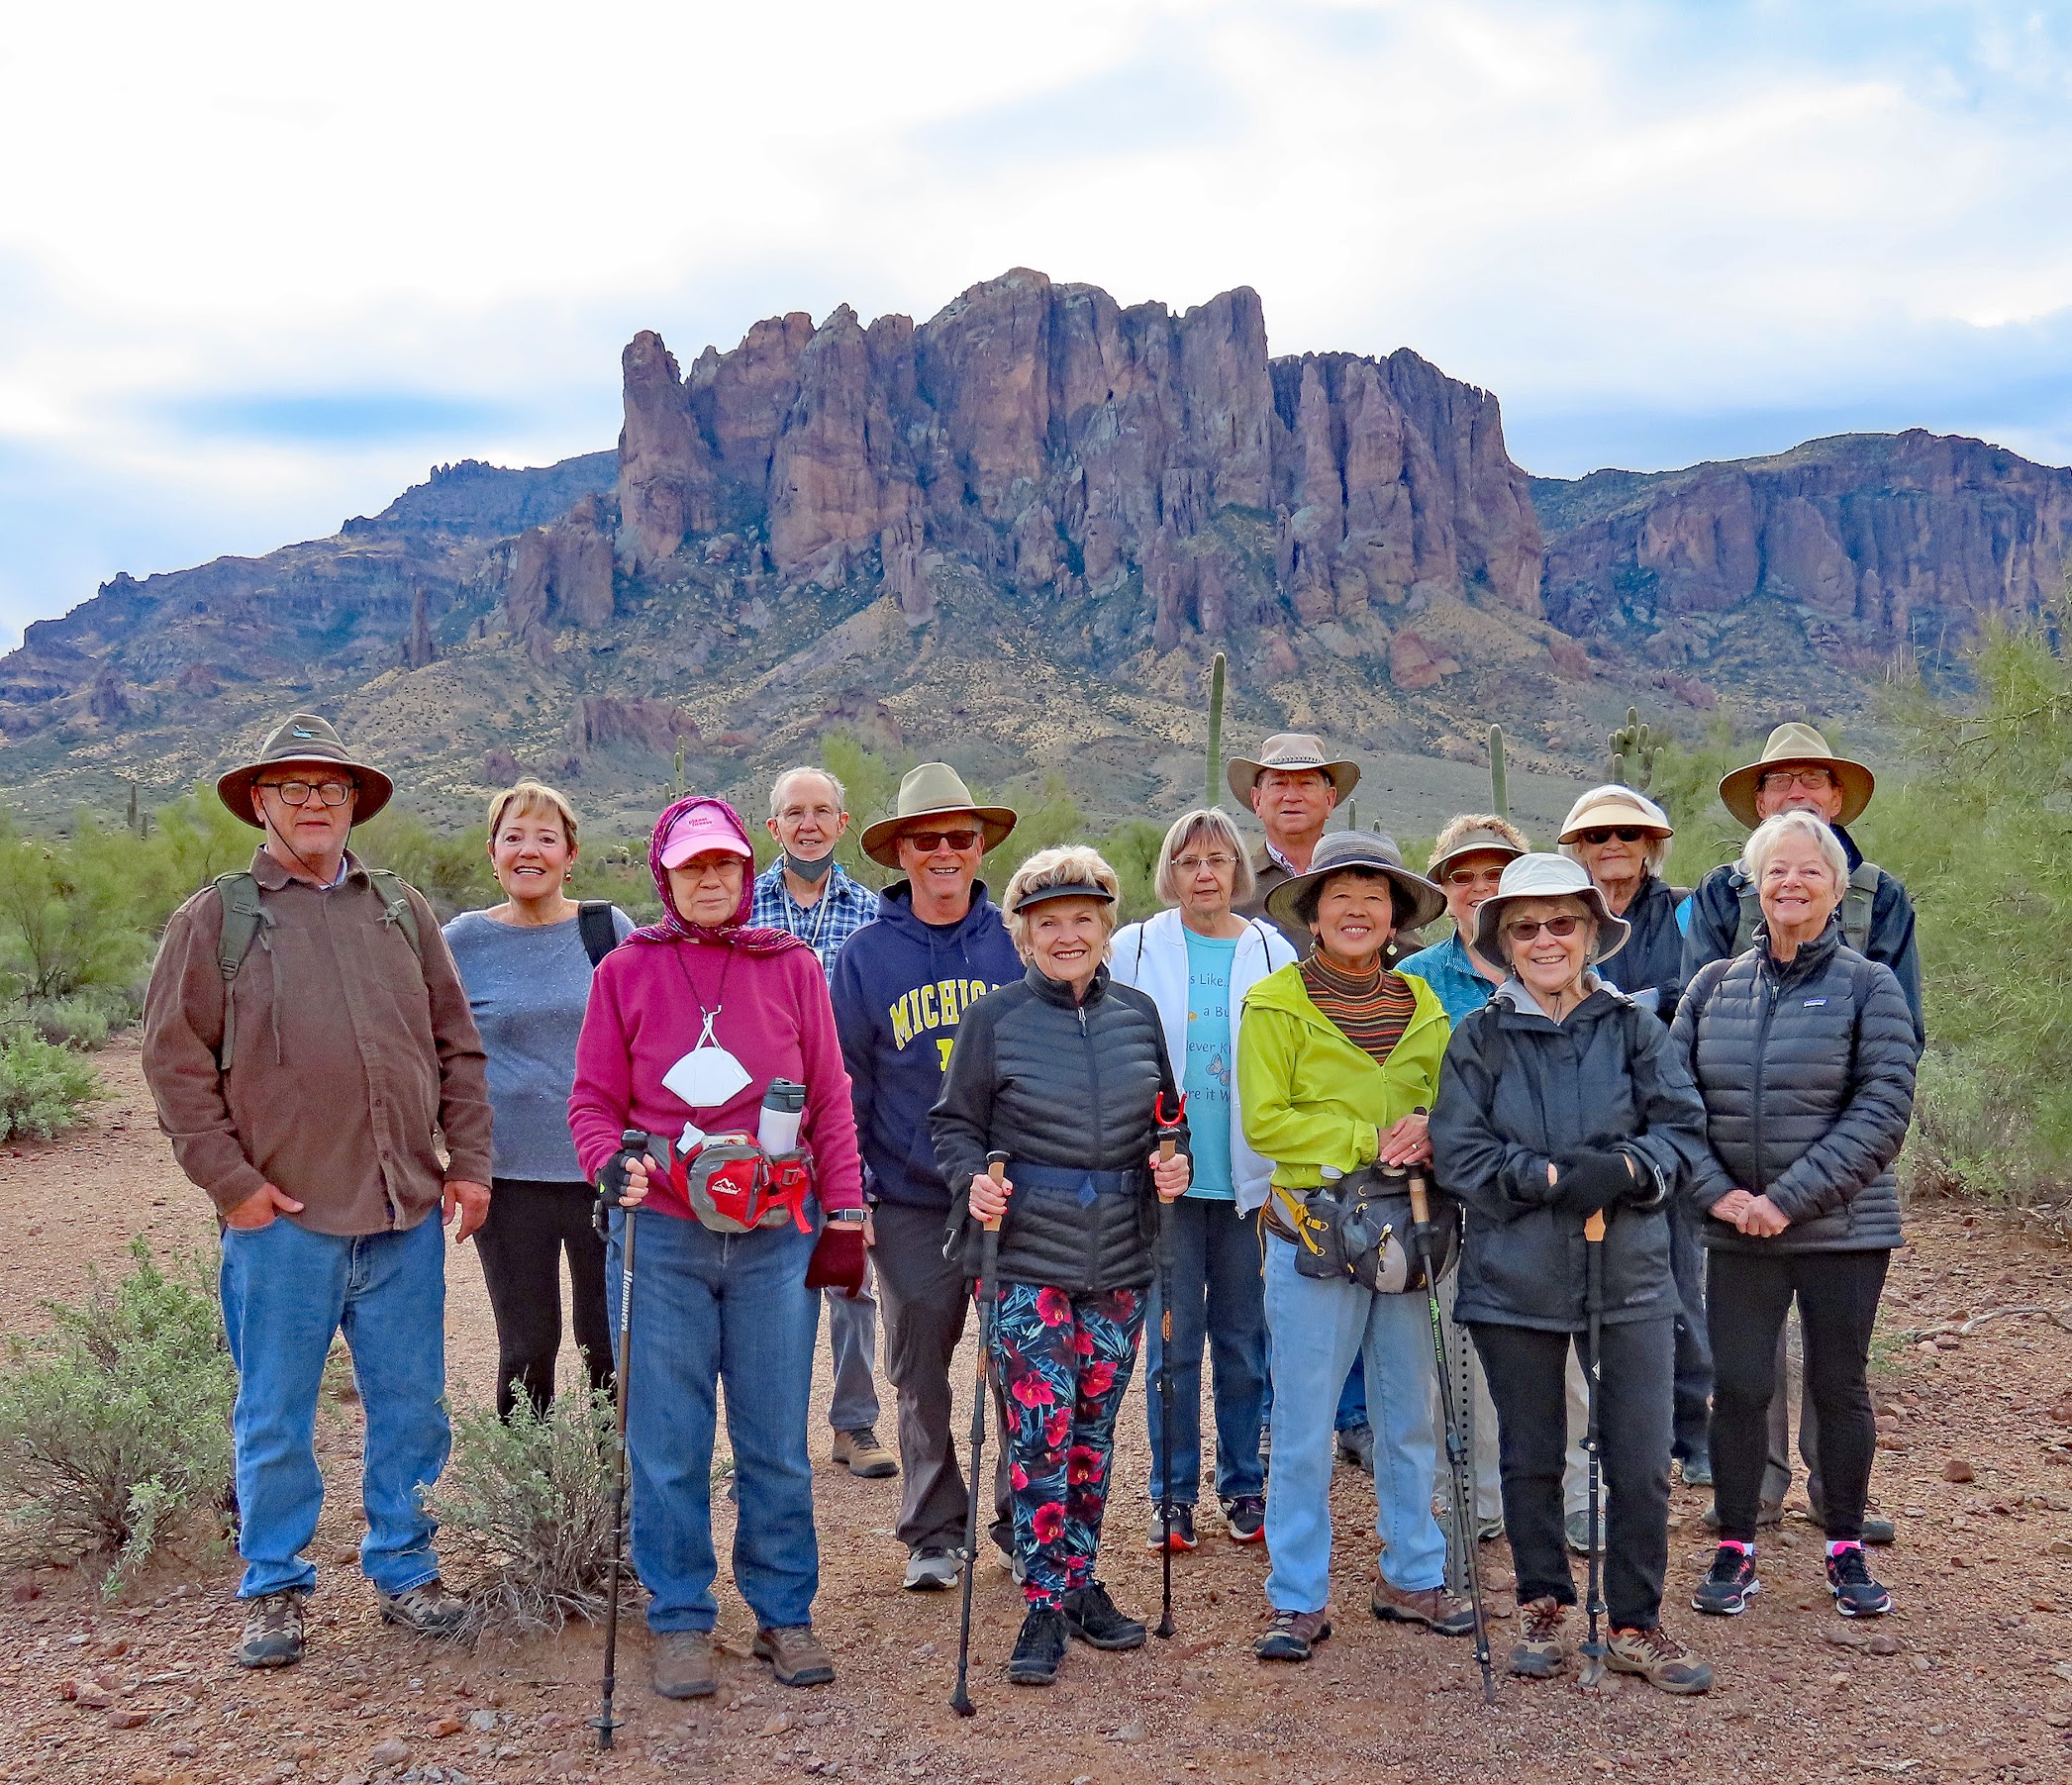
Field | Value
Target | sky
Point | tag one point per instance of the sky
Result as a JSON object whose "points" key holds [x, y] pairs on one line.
{"points": [[260, 267]]}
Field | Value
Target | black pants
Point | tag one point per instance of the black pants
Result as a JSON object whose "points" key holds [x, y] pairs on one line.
{"points": [[1635, 1399], [1694, 1351], [1747, 1298], [530, 1226]]}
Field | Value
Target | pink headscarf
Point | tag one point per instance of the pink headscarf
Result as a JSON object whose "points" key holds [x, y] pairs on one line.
{"points": [[674, 927]]}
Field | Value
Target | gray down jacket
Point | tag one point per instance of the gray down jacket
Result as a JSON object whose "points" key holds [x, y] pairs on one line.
{"points": [[1807, 1071], [1063, 1085]]}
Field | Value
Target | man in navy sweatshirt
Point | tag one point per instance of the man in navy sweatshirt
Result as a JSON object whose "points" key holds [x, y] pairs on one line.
{"points": [[902, 985]]}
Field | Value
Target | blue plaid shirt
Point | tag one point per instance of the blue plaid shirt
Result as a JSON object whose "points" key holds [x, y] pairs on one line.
{"points": [[843, 908]]}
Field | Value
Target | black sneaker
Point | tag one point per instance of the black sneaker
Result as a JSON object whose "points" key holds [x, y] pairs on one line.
{"points": [[1039, 1649], [1857, 1593], [1726, 1589], [1178, 1535], [1091, 1616], [1245, 1518]]}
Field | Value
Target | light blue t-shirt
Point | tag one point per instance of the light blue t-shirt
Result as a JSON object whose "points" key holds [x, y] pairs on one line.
{"points": [[1209, 1076]]}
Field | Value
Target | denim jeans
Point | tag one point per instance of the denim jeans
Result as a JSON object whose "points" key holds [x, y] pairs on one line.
{"points": [[1217, 1294], [286, 1292], [710, 1308], [1317, 1328], [1352, 1412]]}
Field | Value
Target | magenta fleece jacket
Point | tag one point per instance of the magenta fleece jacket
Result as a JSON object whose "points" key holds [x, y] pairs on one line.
{"points": [[774, 1018]]}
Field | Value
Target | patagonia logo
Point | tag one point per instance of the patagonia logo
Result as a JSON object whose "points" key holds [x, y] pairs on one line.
{"points": [[1814, 1003]]}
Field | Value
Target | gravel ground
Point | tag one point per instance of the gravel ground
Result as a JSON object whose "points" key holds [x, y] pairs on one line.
{"points": [[1975, 1440]]}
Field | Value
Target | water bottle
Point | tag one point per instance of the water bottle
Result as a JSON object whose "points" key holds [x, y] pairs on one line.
{"points": [[783, 1109]]}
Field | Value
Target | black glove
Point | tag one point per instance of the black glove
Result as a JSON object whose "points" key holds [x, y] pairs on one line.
{"points": [[1590, 1181]]}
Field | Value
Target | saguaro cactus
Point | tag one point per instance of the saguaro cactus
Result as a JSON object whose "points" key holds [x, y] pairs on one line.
{"points": [[1630, 759], [1216, 680], [1498, 794]]}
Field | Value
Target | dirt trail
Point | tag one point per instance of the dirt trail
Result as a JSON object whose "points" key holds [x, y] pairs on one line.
{"points": [[1980, 1685]]}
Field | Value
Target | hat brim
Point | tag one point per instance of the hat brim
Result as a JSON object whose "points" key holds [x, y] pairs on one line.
{"points": [[1244, 773], [1427, 901], [1436, 871], [881, 840], [1857, 783], [1079, 889], [1611, 933], [374, 789]]}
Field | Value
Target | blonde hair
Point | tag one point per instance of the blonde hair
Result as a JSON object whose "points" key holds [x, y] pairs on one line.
{"points": [[1075, 864], [1220, 827], [526, 798], [1448, 840]]}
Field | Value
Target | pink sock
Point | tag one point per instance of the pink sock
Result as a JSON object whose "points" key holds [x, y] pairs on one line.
{"points": [[1733, 1543], [1849, 1543]]}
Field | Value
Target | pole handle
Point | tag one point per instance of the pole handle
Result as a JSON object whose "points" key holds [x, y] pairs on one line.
{"points": [[1419, 1199], [995, 1169], [1167, 1147], [1594, 1226]]}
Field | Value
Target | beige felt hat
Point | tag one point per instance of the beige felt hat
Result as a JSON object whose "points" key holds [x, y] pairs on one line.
{"points": [[933, 790], [304, 738], [1291, 750], [1547, 877], [1339, 850], [1602, 808], [1797, 747]]}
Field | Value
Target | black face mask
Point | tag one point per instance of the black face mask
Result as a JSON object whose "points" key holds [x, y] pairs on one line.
{"points": [[811, 871]]}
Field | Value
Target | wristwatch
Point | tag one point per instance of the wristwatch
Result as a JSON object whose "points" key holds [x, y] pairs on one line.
{"points": [[849, 1217]]}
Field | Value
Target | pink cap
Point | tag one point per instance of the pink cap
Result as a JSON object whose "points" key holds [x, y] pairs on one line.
{"points": [[700, 831]]}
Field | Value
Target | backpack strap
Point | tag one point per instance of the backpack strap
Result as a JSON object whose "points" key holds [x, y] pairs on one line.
{"points": [[396, 909], [1856, 905], [242, 913], [593, 918]]}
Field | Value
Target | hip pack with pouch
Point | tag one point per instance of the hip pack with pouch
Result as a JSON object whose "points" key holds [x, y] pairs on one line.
{"points": [[1357, 1228], [734, 1187]]}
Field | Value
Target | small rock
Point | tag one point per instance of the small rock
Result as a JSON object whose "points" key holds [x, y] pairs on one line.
{"points": [[447, 1725], [781, 1724], [2058, 1546], [1884, 1643], [1131, 1732], [93, 1698], [128, 1717], [1959, 1468], [485, 1721], [186, 1750], [394, 1751], [1842, 1636]]}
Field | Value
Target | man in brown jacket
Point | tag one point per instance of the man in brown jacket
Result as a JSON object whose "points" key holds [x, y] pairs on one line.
{"points": [[305, 1037]]}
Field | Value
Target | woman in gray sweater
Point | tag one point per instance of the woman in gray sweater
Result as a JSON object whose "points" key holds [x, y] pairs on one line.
{"points": [[527, 966]]}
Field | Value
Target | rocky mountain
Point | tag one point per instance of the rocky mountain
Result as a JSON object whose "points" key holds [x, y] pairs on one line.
{"points": [[1013, 535]]}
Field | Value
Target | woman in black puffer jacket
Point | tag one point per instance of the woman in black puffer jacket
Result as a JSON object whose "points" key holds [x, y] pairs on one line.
{"points": [[1804, 1053], [1064, 1073]]}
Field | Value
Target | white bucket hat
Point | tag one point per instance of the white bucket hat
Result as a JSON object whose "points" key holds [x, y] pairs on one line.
{"points": [[1548, 877]]}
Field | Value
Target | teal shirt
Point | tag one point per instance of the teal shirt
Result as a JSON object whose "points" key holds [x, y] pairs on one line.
{"points": [[1210, 1073]]}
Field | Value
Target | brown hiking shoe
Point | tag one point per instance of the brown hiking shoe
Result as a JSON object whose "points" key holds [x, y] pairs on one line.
{"points": [[1433, 1607], [272, 1631], [863, 1455], [428, 1608], [1291, 1635], [795, 1655], [681, 1664], [1537, 1654], [1659, 1659]]}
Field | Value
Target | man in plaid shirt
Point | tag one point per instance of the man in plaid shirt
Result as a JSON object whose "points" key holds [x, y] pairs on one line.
{"points": [[806, 892]]}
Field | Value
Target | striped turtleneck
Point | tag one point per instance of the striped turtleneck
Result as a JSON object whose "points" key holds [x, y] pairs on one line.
{"points": [[1371, 1010]]}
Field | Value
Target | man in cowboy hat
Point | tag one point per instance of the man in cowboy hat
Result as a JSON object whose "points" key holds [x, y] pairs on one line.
{"points": [[1292, 788], [1798, 773], [902, 985], [302, 1083]]}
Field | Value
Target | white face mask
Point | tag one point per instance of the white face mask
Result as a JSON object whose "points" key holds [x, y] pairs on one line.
{"points": [[707, 1075]]}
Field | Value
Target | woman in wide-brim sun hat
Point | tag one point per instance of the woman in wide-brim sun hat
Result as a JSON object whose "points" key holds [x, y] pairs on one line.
{"points": [[1622, 839]]}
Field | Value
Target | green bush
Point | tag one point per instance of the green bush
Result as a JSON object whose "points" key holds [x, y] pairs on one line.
{"points": [[84, 1019], [117, 1422], [43, 1087], [75, 912]]}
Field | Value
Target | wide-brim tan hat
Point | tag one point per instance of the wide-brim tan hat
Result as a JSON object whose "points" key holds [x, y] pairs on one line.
{"points": [[304, 738], [1340, 849], [1604, 808], [1476, 841], [1547, 877], [934, 790], [1291, 751], [1797, 747]]}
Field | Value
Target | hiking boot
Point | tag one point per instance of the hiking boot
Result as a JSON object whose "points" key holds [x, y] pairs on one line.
{"points": [[1576, 1528], [680, 1665], [1091, 1616], [1245, 1518], [428, 1608], [1659, 1659], [1696, 1470], [1878, 1530], [1180, 1535], [1539, 1650], [1857, 1592], [795, 1655], [933, 1569], [272, 1631], [1292, 1635], [863, 1455], [1726, 1589], [1039, 1649], [1490, 1530], [1432, 1607], [1767, 1513], [1356, 1447]]}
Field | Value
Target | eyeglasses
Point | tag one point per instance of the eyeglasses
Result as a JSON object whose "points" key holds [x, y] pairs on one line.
{"points": [[1603, 834], [297, 793], [1812, 780], [1193, 865], [929, 841], [1476, 876], [1523, 931]]}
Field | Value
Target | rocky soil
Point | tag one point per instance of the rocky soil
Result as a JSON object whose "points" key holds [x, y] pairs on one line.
{"points": [[1970, 1679]]}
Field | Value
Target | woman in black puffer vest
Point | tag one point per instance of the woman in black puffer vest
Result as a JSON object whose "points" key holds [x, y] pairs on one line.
{"points": [[1804, 1053], [1064, 1073]]}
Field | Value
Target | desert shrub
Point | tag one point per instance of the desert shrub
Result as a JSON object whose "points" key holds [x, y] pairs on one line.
{"points": [[43, 1087], [84, 1019], [73, 912], [535, 1493], [451, 871], [117, 1422]]}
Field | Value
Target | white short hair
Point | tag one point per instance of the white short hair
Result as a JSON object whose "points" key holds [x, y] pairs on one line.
{"points": [[777, 787], [1764, 839], [1219, 826]]}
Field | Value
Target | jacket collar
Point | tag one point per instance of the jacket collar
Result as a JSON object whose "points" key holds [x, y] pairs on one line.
{"points": [[1283, 990], [1053, 991], [1520, 1006], [273, 876], [1810, 957]]}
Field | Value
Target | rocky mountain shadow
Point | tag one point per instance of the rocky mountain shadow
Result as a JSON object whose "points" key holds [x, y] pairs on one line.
{"points": [[1013, 535]]}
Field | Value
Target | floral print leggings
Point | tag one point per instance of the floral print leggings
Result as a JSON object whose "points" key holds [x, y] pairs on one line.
{"points": [[1063, 1362]]}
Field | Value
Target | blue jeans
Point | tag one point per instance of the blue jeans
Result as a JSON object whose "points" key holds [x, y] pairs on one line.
{"points": [[1353, 1398], [286, 1292], [709, 1308], [1317, 1328], [1216, 1295]]}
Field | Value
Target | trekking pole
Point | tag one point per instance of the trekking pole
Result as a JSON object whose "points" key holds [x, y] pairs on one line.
{"points": [[1457, 1459], [1168, 1145], [1594, 1296], [613, 1186], [986, 1290]]}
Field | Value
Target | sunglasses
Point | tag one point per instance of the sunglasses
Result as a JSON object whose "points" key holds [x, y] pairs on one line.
{"points": [[929, 841], [1524, 931], [1603, 834]]}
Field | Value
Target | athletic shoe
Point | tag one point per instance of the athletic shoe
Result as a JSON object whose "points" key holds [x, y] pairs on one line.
{"points": [[1768, 1513], [1576, 1528], [1696, 1470], [1539, 1650], [1356, 1447], [1039, 1649], [427, 1608], [1292, 1635], [862, 1455], [795, 1655], [272, 1631], [1857, 1592], [933, 1570], [1879, 1531], [1181, 1533], [1490, 1530], [1726, 1589], [1433, 1607], [1245, 1518], [681, 1664], [1659, 1659], [1091, 1616]]}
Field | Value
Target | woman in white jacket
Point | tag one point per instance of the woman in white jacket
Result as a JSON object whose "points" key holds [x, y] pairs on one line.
{"points": [[1196, 960]]}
